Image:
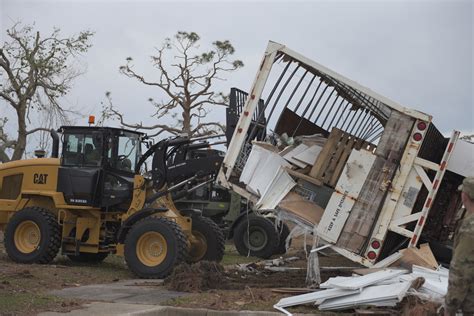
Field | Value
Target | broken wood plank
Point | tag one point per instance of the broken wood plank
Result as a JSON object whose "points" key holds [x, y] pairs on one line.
{"points": [[427, 254], [326, 153], [342, 162], [299, 175]]}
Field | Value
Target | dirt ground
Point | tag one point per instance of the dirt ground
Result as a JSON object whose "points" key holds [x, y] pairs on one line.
{"points": [[227, 288], [24, 288]]}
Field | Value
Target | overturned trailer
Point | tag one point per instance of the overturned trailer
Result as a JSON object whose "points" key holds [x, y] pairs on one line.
{"points": [[355, 168]]}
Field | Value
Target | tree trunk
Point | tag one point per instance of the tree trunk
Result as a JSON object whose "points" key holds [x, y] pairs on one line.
{"points": [[3, 156], [20, 145], [187, 121]]}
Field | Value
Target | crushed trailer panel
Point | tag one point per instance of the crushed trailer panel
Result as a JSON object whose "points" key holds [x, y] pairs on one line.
{"points": [[354, 167]]}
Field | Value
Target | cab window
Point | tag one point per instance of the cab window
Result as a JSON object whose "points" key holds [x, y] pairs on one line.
{"points": [[82, 150], [126, 153]]}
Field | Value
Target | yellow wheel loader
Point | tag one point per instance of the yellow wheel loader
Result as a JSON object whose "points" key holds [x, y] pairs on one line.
{"points": [[91, 200]]}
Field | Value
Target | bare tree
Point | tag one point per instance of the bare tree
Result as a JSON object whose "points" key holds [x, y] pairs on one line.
{"points": [[35, 72], [186, 77]]}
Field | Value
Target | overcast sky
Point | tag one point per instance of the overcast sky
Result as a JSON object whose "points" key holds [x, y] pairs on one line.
{"points": [[418, 53]]}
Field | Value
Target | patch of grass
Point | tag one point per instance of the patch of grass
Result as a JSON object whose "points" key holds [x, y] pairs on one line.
{"points": [[19, 303], [232, 256]]}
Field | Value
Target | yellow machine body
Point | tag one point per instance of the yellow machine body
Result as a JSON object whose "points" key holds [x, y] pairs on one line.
{"points": [[33, 183]]}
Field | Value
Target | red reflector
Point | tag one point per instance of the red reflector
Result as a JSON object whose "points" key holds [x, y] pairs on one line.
{"points": [[252, 96], [417, 137], [421, 126], [428, 203], [420, 222], [371, 255], [239, 130], [246, 113], [443, 165], [450, 147], [435, 184], [413, 240], [376, 244]]}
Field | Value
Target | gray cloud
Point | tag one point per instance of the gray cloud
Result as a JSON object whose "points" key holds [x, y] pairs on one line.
{"points": [[418, 53]]}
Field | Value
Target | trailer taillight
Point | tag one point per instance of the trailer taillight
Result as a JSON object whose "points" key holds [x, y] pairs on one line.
{"points": [[421, 126], [376, 244], [417, 137], [371, 255]]}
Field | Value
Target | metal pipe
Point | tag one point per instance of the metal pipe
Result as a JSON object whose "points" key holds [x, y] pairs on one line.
{"points": [[366, 127], [330, 110], [317, 102], [304, 94], [342, 113], [359, 126], [281, 92], [324, 106], [262, 112], [347, 117], [356, 121], [55, 147]]}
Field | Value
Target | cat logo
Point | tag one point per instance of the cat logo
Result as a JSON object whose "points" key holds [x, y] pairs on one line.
{"points": [[40, 178]]}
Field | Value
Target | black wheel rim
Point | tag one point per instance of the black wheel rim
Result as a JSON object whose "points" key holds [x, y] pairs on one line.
{"points": [[256, 239]]}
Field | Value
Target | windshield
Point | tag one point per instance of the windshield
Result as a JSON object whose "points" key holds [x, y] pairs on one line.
{"points": [[126, 152], [82, 149]]}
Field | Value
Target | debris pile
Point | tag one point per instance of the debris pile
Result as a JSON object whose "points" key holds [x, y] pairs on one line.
{"points": [[386, 287], [275, 265], [198, 277], [283, 166]]}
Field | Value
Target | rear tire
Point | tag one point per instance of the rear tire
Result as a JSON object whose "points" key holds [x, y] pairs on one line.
{"points": [[32, 236], [154, 246], [210, 236], [256, 236], [86, 257]]}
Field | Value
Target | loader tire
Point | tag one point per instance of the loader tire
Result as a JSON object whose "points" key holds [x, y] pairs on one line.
{"points": [[33, 236], [154, 246], [256, 236], [86, 257], [284, 232], [211, 241]]}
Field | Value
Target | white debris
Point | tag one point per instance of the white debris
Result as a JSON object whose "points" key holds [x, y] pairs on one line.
{"points": [[389, 294], [386, 287], [359, 282]]}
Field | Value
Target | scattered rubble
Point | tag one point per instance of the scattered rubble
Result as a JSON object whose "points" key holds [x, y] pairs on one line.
{"points": [[198, 277]]}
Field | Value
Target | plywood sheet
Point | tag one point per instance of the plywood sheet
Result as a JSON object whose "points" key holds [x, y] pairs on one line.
{"points": [[347, 191], [289, 156], [366, 210], [304, 209], [413, 256], [309, 155]]}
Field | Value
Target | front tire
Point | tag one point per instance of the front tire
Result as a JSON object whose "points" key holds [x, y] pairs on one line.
{"points": [[210, 244], [256, 236], [154, 246], [33, 236]]}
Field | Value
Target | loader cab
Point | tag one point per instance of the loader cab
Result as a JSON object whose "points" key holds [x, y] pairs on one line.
{"points": [[98, 166]]}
